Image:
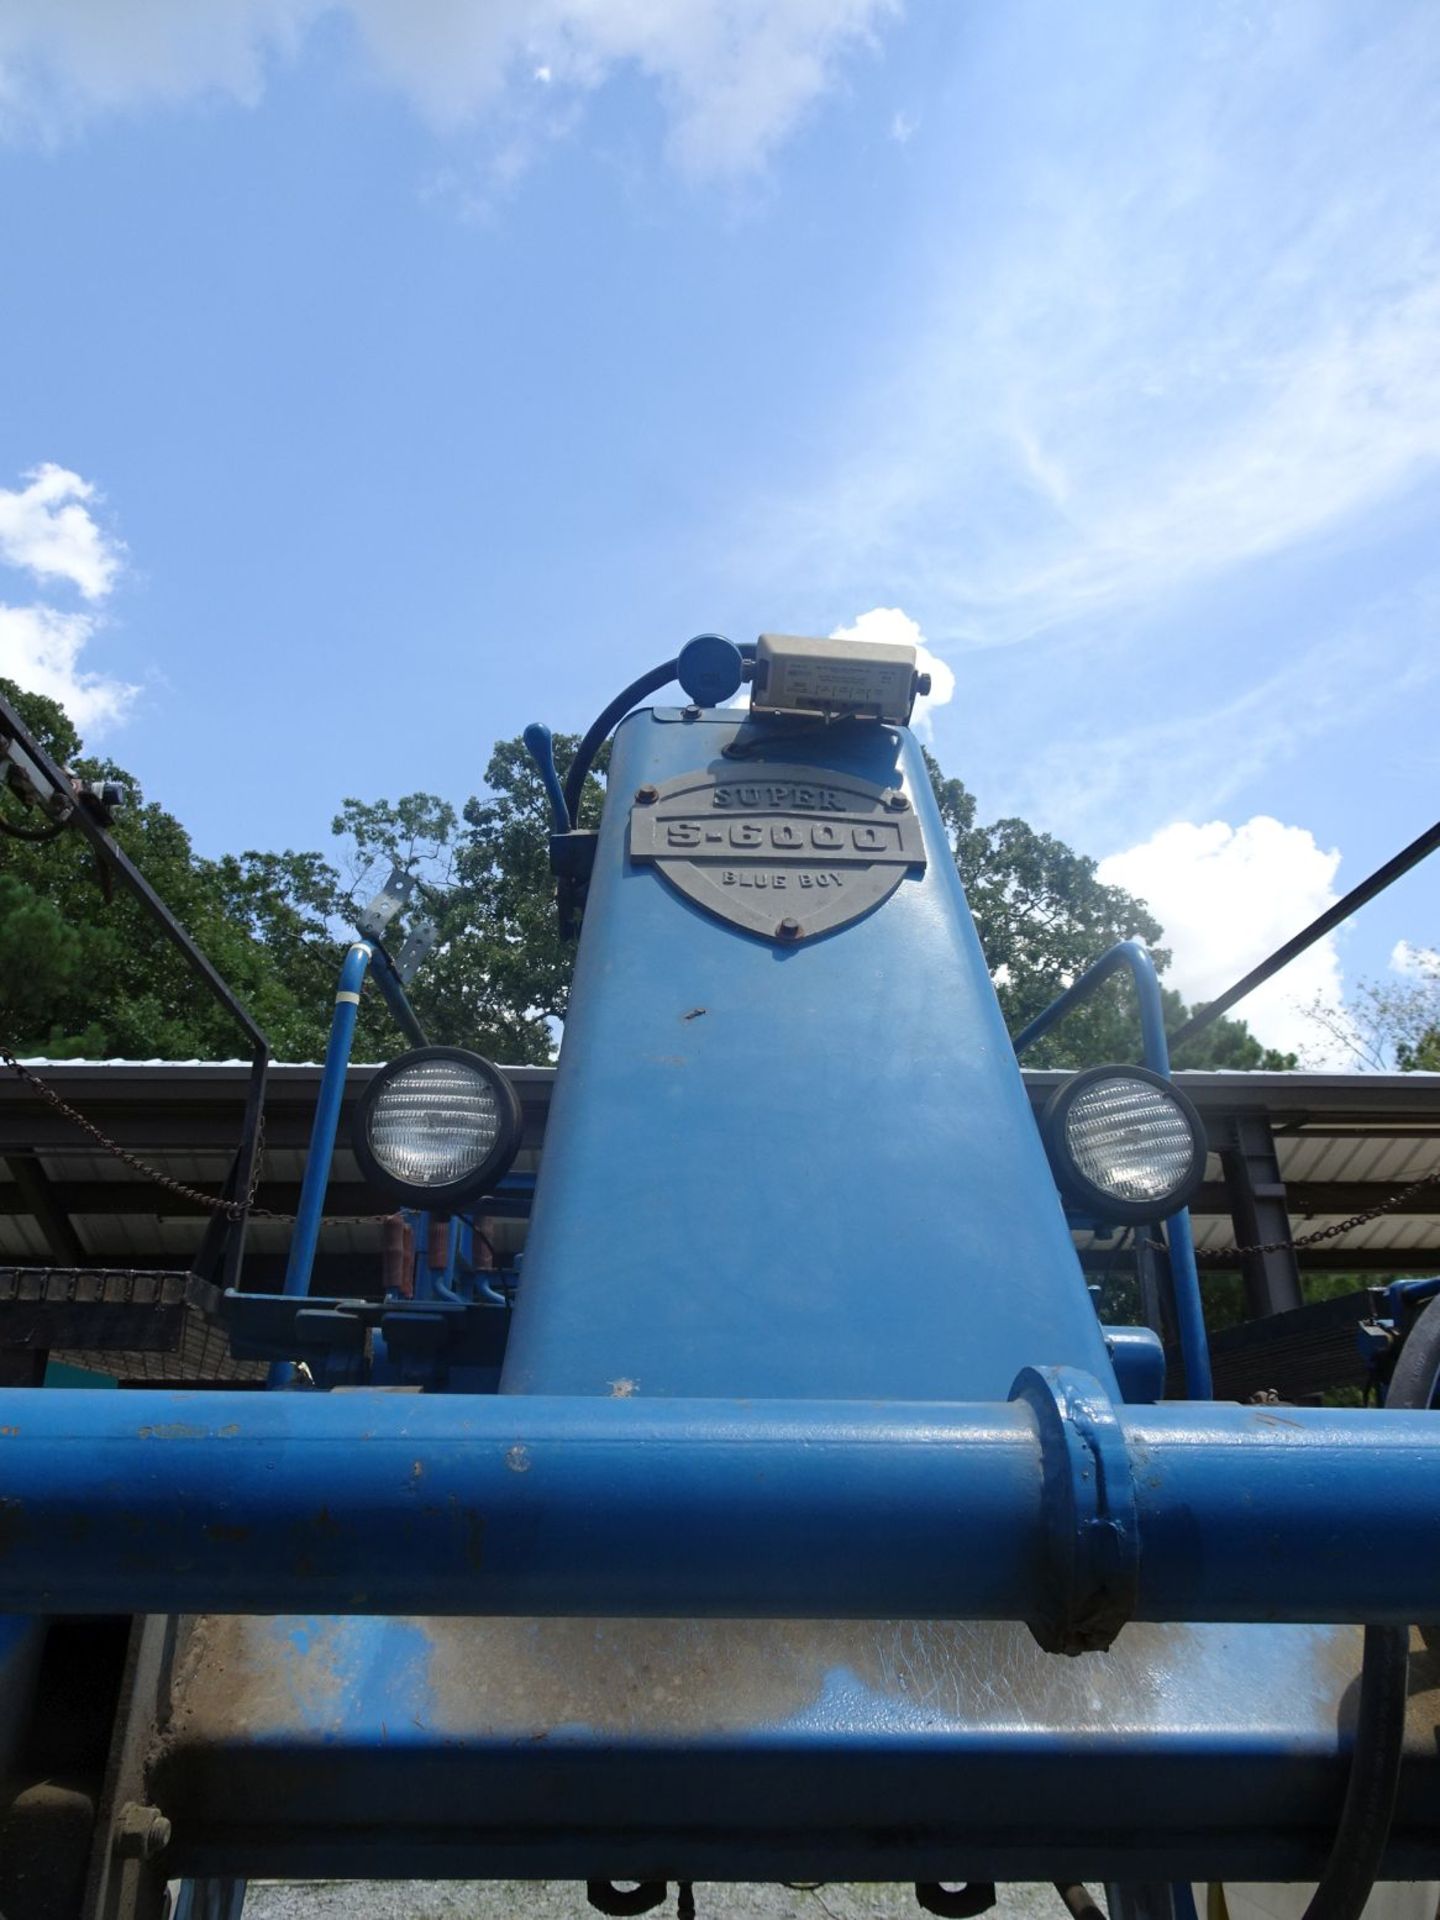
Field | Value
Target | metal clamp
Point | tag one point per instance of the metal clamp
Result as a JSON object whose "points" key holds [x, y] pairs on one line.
{"points": [[1092, 1530]]}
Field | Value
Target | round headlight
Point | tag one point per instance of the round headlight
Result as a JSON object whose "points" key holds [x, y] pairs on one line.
{"points": [[1124, 1143], [437, 1127]]}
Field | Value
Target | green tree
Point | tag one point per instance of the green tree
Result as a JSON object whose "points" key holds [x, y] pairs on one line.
{"points": [[1043, 917], [79, 975], [1389, 1026], [83, 973], [499, 977]]}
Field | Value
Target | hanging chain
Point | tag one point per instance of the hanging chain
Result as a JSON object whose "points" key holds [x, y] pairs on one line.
{"points": [[210, 1202], [1332, 1232]]}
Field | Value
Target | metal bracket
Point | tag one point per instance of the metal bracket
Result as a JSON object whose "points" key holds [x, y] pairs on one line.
{"points": [[278, 1326], [1092, 1530], [418, 945], [30, 782], [395, 894]]}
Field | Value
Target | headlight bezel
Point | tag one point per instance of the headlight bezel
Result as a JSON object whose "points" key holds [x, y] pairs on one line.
{"points": [[1086, 1194], [480, 1179]]}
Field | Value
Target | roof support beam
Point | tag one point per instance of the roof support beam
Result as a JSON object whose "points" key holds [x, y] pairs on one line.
{"points": [[1259, 1209], [37, 1197]]}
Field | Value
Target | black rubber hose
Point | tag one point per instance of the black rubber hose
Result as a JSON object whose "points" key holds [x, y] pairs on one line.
{"points": [[623, 1902], [38, 836], [1359, 1844], [600, 732], [961, 1901], [1358, 1848]]}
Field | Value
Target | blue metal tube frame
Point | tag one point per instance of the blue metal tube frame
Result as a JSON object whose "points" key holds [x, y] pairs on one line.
{"points": [[478, 1505], [1189, 1305], [326, 1124], [392, 991]]}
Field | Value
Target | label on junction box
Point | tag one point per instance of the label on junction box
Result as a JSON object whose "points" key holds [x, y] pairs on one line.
{"points": [[789, 852], [795, 673]]}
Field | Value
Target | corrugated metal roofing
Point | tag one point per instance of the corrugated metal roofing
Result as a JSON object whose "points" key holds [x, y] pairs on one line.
{"points": [[1342, 1131]]}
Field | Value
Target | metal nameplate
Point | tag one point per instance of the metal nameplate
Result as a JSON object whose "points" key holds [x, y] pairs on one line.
{"points": [[788, 853]]}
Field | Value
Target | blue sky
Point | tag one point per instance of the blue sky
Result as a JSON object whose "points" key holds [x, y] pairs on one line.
{"points": [[394, 375]]}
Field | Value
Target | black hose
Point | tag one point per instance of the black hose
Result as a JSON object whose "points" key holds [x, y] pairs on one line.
{"points": [[600, 732], [39, 836], [1358, 1849], [626, 1900], [958, 1901]]}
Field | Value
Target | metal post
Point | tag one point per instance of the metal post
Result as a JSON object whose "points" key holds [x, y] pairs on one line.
{"points": [[327, 1120], [246, 1165], [1260, 1215]]}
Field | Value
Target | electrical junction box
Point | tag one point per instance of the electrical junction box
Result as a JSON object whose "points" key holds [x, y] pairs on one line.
{"points": [[830, 679]]}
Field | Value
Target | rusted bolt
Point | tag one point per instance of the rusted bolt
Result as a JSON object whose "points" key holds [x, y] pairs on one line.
{"points": [[647, 795], [788, 930], [141, 1833], [896, 802]]}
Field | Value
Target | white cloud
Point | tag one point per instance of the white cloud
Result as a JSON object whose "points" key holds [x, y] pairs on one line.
{"points": [[1227, 896], [46, 527], [61, 62], [735, 75], [1174, 745], [40, 650], [47, 530], [1197, 327], [1419, 963], [893, 626]]}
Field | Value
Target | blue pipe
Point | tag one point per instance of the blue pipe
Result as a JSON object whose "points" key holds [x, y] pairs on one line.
{"points": [[326, 1124], [1125, 953], [1189, 1303], [171, 1502]]}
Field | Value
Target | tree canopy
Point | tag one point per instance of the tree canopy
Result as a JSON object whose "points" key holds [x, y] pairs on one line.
{"points": [[83, 977], [1388, 1024]]}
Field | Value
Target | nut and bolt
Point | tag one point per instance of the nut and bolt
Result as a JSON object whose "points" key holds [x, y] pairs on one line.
{"points": [[691, 713], [896, 802], [788, 930], [922, 683], [141, 1833], [647, 795]]}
